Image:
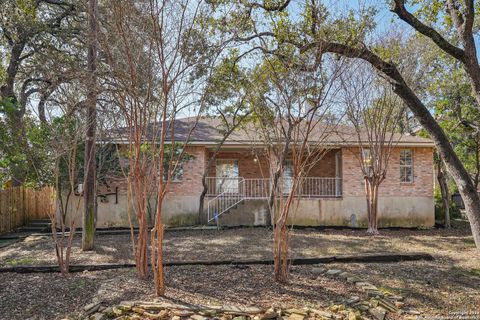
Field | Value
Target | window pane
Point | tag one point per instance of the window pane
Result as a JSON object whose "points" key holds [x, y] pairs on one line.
{"points": [[408, 174], [406, 157]]}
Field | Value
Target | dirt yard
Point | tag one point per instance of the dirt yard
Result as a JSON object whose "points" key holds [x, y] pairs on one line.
{"points": [[450, 283]]}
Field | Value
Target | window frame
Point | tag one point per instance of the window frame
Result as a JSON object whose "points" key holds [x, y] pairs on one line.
{"points": [[404, 166]]}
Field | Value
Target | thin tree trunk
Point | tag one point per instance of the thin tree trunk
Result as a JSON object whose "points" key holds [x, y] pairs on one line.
{"points": [[369, 206], [442, 182], [89, 195]]}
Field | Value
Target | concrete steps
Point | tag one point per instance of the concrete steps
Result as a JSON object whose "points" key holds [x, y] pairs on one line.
{"points": [[36, 226]]}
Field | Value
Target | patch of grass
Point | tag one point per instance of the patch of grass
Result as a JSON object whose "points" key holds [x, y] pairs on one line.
{"points": [[77, 284], [474, 272], [467, 272], [21, 261]]}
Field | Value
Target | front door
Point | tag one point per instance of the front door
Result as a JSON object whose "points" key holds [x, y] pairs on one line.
{"points": [[287, 177], [227, 176]]}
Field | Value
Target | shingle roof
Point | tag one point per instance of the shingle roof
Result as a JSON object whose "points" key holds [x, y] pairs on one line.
{"points": [[209, 130]]}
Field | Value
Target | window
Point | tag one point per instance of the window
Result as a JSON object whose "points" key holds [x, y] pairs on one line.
{"points": [[288, 177], [367, 161], [177, 175], [406, 165], [227, 175]]}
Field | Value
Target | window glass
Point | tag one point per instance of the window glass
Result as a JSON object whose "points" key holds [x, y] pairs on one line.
{"points": [[367, 161], [406, 165], [288, 176]]}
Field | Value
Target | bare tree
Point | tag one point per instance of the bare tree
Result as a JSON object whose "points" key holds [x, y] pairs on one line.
{"points": [[375, 113], [159, 79], [131, 87], [178, 47], [294, 114], [66, 135]]}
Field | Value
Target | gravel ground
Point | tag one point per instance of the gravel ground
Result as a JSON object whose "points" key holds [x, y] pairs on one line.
{"points": [[450, 283]]}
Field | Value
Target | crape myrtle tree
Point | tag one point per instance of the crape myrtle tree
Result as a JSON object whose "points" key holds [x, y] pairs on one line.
{"points": [[376, 114], [160, 61], [131, 88], [293, 114], [311, 27], [65, 133], [184, 60]]}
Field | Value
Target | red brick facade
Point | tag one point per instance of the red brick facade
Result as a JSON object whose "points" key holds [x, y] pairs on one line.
{"points": [[353, 184], [249, 168], [191, 183], [423, 178]]}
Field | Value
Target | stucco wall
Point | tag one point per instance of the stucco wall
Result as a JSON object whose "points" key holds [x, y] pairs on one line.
{"points": [[181, 210], [347, 212]]}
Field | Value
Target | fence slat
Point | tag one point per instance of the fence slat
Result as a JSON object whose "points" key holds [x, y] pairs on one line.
{"points": [[19, 205]]}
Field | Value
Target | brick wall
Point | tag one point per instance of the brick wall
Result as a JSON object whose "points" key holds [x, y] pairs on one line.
{"points": [[248, 168], [422, 185], [191, 183], [325, 167]]}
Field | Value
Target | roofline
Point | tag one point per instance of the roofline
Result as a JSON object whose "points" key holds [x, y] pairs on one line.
{"points": [[254, 143]]}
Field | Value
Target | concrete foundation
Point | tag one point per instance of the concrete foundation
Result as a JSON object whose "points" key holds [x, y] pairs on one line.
{"points": [[346, 211], [176, 211]]}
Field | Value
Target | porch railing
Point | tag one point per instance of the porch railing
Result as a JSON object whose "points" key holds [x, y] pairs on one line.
{"points": [[259, 188], [226, 193]]}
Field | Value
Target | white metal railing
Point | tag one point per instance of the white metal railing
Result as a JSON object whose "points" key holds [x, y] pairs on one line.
{"points": [[230, 196], [228, 192], [259, 188], [218, 185]]}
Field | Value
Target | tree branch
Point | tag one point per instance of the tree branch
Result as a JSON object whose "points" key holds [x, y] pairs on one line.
{"points": [[400, 10]]}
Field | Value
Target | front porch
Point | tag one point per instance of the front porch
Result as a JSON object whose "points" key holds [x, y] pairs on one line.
{"points": [[260, 188], [239, 176]]}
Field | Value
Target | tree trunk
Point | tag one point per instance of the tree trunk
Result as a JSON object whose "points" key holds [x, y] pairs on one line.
{"points": [[280, 254], [453, 164], [89, 194], [7, 92], [442, 182]]}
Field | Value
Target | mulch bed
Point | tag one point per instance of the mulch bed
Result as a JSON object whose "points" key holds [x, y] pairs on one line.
{"points": [[450, 283]]}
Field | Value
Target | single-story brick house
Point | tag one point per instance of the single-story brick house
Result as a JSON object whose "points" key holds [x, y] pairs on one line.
{"points": [[332, 195]]}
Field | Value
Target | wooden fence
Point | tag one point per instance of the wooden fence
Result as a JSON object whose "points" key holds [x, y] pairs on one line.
{"points": [[19, 205]]}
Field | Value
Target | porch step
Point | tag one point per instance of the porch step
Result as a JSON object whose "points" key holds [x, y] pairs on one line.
{"points": [[37, 225], [45, 221]]}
